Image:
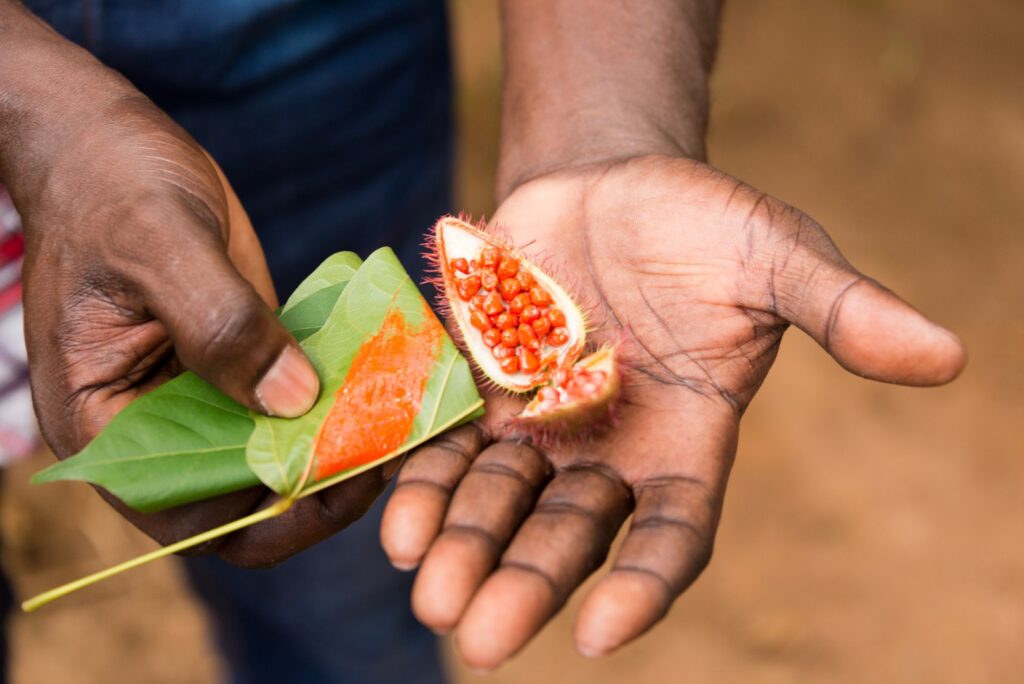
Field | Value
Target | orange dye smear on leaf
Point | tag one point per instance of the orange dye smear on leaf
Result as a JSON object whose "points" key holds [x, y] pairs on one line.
{"points": [[374, 411]]}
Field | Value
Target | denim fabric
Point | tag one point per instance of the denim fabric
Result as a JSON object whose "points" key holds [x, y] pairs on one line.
{"points": [[332, 120], [336, 613]]}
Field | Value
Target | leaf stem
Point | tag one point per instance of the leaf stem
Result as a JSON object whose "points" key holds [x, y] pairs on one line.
{"points": [[273, 511]]}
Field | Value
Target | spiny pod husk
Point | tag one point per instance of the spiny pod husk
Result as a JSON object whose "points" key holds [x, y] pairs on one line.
{"points": [[517, 323], [524, 332], [579, 402]]}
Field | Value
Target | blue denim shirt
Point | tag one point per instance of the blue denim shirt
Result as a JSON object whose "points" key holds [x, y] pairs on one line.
{"points": [[331, 118]]}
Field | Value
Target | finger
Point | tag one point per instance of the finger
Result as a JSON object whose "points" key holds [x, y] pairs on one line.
{"points": [[224, 331], [668, 545], [308, 522], [413, 515], [244, 248], [487, 508], [565, 539], [868, 329]]}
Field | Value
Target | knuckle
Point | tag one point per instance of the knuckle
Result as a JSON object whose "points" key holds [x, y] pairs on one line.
{"points": [[224, 329], [520, 461]]}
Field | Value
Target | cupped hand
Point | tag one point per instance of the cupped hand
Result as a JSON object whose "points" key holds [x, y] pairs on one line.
{"points": [[141, 263], [696, 276]]}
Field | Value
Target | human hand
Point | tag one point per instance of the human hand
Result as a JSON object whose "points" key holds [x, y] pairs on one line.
{"points": [[700, 275], [140, 262]]}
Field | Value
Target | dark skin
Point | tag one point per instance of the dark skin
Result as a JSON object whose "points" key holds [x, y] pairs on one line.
{"points": [[605, 107], [140, 262], [602, 169]]}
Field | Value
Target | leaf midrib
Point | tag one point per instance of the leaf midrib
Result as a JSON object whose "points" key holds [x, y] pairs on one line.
{"points": [[162, 454]]}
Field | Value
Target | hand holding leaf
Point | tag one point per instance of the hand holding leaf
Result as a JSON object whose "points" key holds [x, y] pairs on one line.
{"points": [[367, 330]]}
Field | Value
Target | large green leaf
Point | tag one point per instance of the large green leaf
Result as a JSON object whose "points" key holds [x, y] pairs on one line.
{"points": [[185, 441], [182, 442], [280, 451]]}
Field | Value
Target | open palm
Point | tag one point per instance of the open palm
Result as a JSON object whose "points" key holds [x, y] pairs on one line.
{"points": [[696, 277]]}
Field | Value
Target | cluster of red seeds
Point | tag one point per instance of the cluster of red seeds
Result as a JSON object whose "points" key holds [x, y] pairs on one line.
{"points": [[512, 312], [571, 385]]}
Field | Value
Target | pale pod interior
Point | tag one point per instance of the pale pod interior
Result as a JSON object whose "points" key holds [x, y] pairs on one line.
{"points": [[547, 328], [594, 381]]}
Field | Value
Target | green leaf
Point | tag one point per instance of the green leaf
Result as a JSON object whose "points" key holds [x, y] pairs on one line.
{"points": [[182, 442], [185, 441], [280, 450], [334, 270], [311, 303]]}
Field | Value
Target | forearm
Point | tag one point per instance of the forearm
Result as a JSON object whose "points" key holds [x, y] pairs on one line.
{"points": [[595, 80], [48, 88]]}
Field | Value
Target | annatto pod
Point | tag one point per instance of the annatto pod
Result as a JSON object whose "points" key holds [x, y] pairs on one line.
{"points": [[522, 330], [577, 403]]}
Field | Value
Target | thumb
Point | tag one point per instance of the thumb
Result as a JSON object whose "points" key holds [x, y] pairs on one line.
{"points": [[224, 332], [867, 328]]}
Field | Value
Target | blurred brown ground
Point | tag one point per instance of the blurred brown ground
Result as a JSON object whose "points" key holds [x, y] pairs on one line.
{"points": [[871, 533]]}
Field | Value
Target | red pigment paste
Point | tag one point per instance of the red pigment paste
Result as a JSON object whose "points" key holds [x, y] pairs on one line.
{"points": [[374, 411]]}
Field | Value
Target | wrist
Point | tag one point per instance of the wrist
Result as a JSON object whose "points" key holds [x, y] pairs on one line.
{"points": [[528, 155], [589, 81]]}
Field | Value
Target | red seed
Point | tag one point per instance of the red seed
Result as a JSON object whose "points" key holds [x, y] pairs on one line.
{"points": [[468, 287], [479, 321], [506, 320], [528, 361], [539, 296], [525, 279], [561, 377], [557, 337], [500, 351], [542, 326], [527, 337], [556, 317], [530, 314], [519, 302], [510, 365], [488, 279], [508, 268], [509, 338], [478, 301], [489, 257], [493, 304], [548, 395], [510, 288], [598, 377], [459, 264], [492, 337]]}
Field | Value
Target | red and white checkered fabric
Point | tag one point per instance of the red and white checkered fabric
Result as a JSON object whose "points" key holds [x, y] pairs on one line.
{"points": [[19, 436]]}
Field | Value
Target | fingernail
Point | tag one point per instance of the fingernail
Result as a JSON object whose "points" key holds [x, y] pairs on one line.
{"points": [[290, 387], [588, 651], [404, 566]]}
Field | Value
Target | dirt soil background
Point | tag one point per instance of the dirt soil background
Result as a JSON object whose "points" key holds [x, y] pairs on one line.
{"points": [[871, 533]]}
